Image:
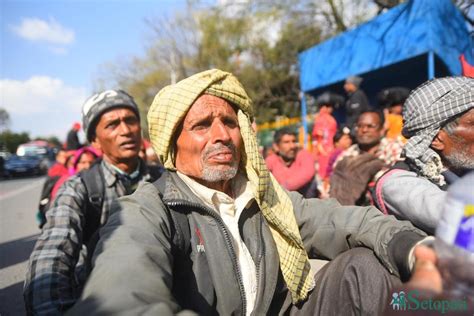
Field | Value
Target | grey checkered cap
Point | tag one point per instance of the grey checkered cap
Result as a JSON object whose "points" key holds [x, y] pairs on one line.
{"points": [[102, 102], [426, 110]]}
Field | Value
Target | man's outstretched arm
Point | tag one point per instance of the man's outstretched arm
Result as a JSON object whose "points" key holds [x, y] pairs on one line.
{"points": [[50, 286]]}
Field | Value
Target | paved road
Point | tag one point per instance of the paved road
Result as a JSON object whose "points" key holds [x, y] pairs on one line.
{"points": [[18, 233]]}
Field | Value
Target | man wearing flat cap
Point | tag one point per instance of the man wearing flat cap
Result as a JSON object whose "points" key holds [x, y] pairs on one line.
{"points": [[357, 101], [217, 234], [439, 124]]}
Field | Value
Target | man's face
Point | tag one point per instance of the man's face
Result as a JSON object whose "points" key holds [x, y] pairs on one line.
{"points": [[369, 130], [117, 135], [459, 147], [209, 142], [287, 147], [349, 87]]}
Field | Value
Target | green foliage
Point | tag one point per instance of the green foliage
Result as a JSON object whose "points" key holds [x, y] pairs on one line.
{"points": [[258, 41], [4, 119], [10, 141]]}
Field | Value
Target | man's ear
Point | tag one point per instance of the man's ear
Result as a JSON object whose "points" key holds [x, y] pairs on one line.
{"points": [[275, 148], [96, 144], [438, 143]]}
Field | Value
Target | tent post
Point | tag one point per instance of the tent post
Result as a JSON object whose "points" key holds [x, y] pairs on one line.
{"points": [[431, 65], [303, 118]]}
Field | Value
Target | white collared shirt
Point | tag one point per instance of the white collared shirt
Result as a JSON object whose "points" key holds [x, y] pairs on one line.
{"points": [[230, 211]]}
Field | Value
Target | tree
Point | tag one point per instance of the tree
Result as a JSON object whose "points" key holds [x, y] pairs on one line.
{"points": [[11, 141], [4, 119], [258, 40]]}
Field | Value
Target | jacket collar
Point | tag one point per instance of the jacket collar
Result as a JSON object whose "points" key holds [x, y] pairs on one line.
{"points": [[172, 188], [111, 175]]}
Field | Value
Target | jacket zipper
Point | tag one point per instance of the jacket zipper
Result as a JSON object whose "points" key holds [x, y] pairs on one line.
{"points": [[261, 253], [227, 238]]}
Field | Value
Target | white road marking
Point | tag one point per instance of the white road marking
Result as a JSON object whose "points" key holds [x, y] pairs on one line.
{"points": [[7, 195]]}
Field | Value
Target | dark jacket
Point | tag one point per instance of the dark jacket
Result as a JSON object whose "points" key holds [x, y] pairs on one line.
{"points": [[135, 261], [72, 140], [355, 105]]}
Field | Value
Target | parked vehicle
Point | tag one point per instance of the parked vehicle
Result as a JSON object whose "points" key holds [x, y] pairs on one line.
{"points": [[23, 165], [39, 149]]}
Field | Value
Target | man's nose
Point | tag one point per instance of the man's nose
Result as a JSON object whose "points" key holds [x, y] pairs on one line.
{"points": [[219, 132], [124, 128]]}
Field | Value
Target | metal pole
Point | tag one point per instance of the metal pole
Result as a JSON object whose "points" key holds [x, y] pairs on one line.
{"points": [[431, 65], [303, 118]]}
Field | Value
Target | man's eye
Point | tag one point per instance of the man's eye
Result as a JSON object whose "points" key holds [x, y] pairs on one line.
{"points": [[231, 123], [202, 125], [131, 120]]}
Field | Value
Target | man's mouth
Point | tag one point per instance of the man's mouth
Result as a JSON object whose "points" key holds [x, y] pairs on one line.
{"points": [[221, 156], [131, 144]]}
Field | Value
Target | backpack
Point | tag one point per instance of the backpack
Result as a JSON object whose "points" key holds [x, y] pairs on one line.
{"points": [[45, 199], [376, 190], [93, 180]]}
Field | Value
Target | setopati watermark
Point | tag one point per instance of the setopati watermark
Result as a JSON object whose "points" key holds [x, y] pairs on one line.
{"points": [[411, 301]]}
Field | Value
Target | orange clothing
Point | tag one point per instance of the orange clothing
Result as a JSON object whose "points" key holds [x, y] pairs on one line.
{"points": [[395, 125]]}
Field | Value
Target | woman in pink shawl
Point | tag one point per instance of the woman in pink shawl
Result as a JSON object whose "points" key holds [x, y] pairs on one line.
{"points": [[83, 158]]}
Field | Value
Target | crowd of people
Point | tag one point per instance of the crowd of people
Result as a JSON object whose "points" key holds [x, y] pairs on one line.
{"points": [[216, 228]]}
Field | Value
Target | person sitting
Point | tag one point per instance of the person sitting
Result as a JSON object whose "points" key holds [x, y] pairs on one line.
{"points": [[358, 167], [342, 141], [439, 117], [292, 167], [218, 235], [60, 261]]}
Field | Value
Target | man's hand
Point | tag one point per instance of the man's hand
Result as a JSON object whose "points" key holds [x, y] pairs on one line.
{"points": [[426, 275]]}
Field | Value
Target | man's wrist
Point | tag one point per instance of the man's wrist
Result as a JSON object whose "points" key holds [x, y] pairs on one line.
{"points": [[427, 241], [399, 250]]}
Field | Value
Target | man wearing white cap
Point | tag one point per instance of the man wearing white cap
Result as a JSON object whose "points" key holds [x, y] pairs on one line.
{"points": [[59, 263]]}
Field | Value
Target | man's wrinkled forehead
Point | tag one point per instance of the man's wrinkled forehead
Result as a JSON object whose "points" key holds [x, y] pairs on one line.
{"points": [[206, 105], [206, 102]]}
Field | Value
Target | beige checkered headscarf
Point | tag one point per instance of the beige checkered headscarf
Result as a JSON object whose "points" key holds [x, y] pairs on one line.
{"points": [[166, 112]]}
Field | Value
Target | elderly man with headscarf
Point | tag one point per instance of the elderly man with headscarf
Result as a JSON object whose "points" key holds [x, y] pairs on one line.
{"points": [[217, 234], [439, 122]]}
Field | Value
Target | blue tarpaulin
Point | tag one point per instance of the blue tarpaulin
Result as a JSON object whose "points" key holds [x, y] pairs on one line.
{"points": [[402, 47]]}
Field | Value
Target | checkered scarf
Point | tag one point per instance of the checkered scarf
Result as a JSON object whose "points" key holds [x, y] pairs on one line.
{"points": [[425, 112], [166, 112]]}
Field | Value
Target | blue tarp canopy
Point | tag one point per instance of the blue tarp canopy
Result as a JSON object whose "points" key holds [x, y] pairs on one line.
{"points": [[405, 46]]}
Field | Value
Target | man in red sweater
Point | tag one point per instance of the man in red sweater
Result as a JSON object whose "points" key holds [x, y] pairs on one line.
{"points": [[292, 167]]}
